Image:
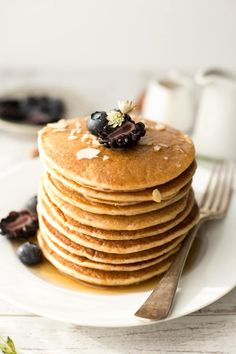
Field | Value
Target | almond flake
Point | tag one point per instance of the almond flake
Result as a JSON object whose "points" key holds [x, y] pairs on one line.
{"points": [[95, 142], [60, 125], [166, 158], [163, 145], [147, 140], [188, 139], [160, 127], [75, 131], [72, 137], [60, 129], [87, 153], [85, 137], [156, 196], [105, 157], [178, 148], [157, 148]]}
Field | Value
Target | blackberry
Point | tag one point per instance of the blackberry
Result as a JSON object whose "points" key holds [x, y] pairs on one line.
{"points": [[16, 225], [96, 122], [29, 253], [124, 136]]}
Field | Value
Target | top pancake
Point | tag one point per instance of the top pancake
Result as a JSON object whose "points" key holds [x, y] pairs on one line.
{"points": [[159, 157]]}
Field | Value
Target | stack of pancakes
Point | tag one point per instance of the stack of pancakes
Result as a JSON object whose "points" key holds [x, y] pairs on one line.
{"points": [[114, 217]]}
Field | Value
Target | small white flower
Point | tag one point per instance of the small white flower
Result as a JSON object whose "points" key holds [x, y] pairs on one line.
{"points": [[125, 106], [115, 119]]}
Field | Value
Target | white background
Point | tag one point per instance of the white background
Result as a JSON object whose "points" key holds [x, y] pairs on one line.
{"points": [[138, 34]]}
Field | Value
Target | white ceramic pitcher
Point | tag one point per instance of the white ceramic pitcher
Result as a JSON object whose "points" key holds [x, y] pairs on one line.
{"points": [[215, 129], [171, 100]]}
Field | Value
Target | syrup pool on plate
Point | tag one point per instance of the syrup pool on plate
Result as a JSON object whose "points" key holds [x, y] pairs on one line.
{"points": [[46, 271]]}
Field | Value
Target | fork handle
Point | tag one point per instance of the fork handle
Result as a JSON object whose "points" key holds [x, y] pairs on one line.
{"points": [[159, 304]]}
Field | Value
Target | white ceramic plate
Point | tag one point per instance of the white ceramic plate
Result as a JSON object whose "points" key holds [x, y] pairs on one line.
{"points": [[75, 106], [212, 273]]}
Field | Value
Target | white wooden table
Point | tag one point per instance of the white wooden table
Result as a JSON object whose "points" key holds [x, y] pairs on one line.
{"points": [[211, 330]]}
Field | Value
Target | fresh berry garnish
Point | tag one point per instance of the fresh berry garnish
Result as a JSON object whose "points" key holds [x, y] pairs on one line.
{"points": [[96, 122], [123, 137], [16, 225], [115, 129], [29, 253], [31, 205]]}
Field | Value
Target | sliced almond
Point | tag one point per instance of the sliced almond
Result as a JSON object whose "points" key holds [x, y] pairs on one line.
{"points": [[72, 137], [156, 196], [87, 153], [157, 147], [188, 139], [105, 157], [178, 148], [160, 127], [163, 145], [95, 142], [85, 137], [60, 125]]}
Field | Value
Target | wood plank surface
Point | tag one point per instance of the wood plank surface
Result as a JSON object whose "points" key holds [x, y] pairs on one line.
{"points": [[211, 330]]}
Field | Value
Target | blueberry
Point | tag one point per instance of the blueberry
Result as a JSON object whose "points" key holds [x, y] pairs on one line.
{"points": [[97, 122], [29, 253], [32, 204]]}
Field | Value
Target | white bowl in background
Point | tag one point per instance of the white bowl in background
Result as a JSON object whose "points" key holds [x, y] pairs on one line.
{"points": [[75, 105]]}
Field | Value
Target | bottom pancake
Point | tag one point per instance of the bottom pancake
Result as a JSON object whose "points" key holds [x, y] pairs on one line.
{"points": [[101, 277]]}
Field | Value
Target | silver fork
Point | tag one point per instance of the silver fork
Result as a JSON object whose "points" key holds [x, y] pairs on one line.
{"points": [[214, 204]]}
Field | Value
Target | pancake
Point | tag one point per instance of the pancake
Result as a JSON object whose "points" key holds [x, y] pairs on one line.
{"points": [[101, 277], [138, 168], [77, 199], [85, 262], [115, 222], [123, 246], [167, 190], [105, 257], [52, 213]]}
